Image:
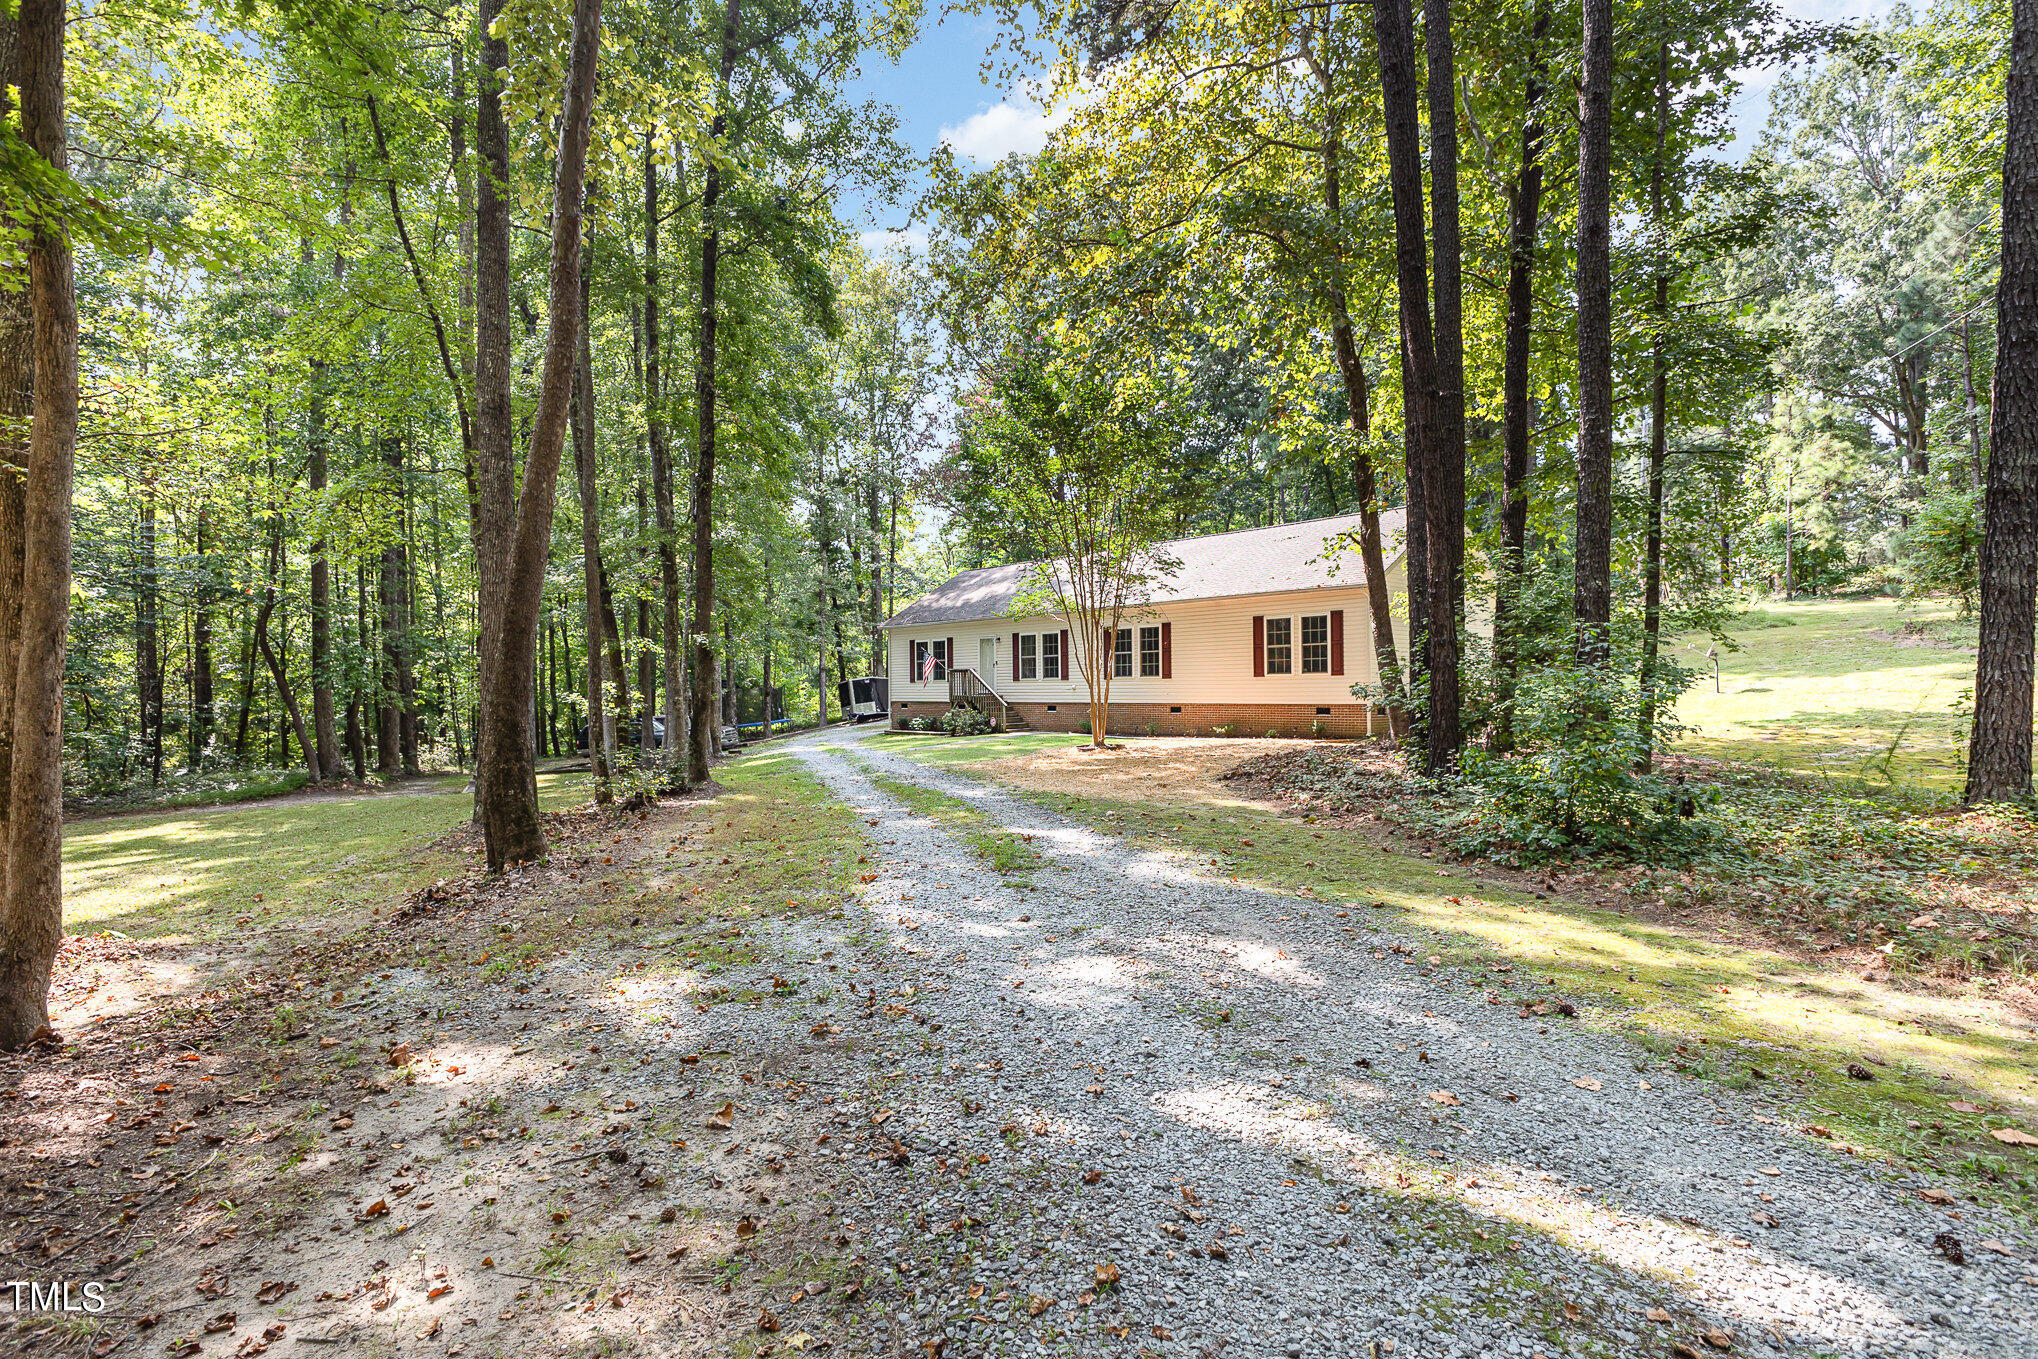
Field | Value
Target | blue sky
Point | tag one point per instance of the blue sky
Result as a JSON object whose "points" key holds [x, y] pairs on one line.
{"points": [[941, 95]]}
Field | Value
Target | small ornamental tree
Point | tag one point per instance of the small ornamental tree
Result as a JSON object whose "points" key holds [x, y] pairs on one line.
{"points": [[1078, 458]]}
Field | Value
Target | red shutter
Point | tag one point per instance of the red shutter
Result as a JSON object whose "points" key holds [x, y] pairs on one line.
{"points": [[1014, 667], [1259, 646], [1067, 672], [1167, 651], [1337, 641]]}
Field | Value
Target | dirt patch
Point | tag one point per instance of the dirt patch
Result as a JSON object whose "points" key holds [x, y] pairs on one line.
{"points": [[456, 1125], [1922, 635]]}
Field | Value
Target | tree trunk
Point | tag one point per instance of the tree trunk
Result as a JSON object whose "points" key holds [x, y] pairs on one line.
{"points": [[17, 411], [406, 624], [1592, 600], [357, 735], [1978, 477], [1352, 370], [507, 778], [201, 641], [31, 912], [321, 595], [1525, 206], [1394, 26], [670, 640], [494, 472], [647, 668], [1444, 470], [598, 751], [1999, 751], [148, 658], [277, 672], [618, 674], [387, 760], [1659, 433], [702, 737]]}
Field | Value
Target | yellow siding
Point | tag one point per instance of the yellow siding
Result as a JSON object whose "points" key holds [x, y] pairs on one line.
{"points": [[1212, 653]]}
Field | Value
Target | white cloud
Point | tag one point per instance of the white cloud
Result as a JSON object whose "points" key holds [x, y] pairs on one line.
{"points": [[1019, 124], [883, 240]]}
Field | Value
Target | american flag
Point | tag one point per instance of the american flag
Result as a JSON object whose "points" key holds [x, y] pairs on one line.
{"points": [[927, 666]]}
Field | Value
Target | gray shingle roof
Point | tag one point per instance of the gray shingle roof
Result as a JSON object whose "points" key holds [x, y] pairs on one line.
{"points": [[1244, 562]]}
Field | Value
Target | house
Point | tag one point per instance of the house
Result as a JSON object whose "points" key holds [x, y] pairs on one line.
{"points": [[1258, 630]]}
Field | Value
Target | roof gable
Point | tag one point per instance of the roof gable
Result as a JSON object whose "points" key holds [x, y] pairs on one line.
{"points": [[1256, 561]]}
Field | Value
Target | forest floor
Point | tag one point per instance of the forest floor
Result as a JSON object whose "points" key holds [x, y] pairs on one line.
{"points": [[912, 1047]]}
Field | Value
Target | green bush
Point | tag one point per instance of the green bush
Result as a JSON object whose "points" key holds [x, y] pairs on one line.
{"points": [[1572, 784], [1941, 551], [965, 722]]}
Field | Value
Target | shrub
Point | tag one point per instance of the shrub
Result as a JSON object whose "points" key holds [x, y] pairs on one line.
{"points": [[1572, 784], [965, 722], [1084, 726], [916, 724], [1941, 550]]}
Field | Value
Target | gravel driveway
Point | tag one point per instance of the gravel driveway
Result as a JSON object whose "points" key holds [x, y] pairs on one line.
{"points": [[1288, 1134]]}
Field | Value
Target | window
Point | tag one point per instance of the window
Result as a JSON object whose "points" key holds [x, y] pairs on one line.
{"points": [[1316, 644], [1121, 654], [930, 660], [1029, 656], [1280, 646], [1050, 655], [1149, 653]]}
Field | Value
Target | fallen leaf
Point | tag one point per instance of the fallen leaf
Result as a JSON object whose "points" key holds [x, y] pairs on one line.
{"points": [[223, 1322], [1586, 1083], [723, 1116], [1720, 1339], [1036, 1304], [2015, 1137], [1998, 1247], [1935, 1195], [1445, 1097], [428, 1332], [274, 1289], [1107, 1276], [766, 1321], [1657, 1314], [1961, 1106]]}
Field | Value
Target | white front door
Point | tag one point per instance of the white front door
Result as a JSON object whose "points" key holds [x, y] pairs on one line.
{"points": [[987, 656]]}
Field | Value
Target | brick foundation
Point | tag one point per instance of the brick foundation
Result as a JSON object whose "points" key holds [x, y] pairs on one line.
{"points": [[1193, 719]]}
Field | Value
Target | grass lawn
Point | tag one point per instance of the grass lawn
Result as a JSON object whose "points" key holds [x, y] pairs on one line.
{"points": [[1863, 689], [200, 873], [944, 750]]}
